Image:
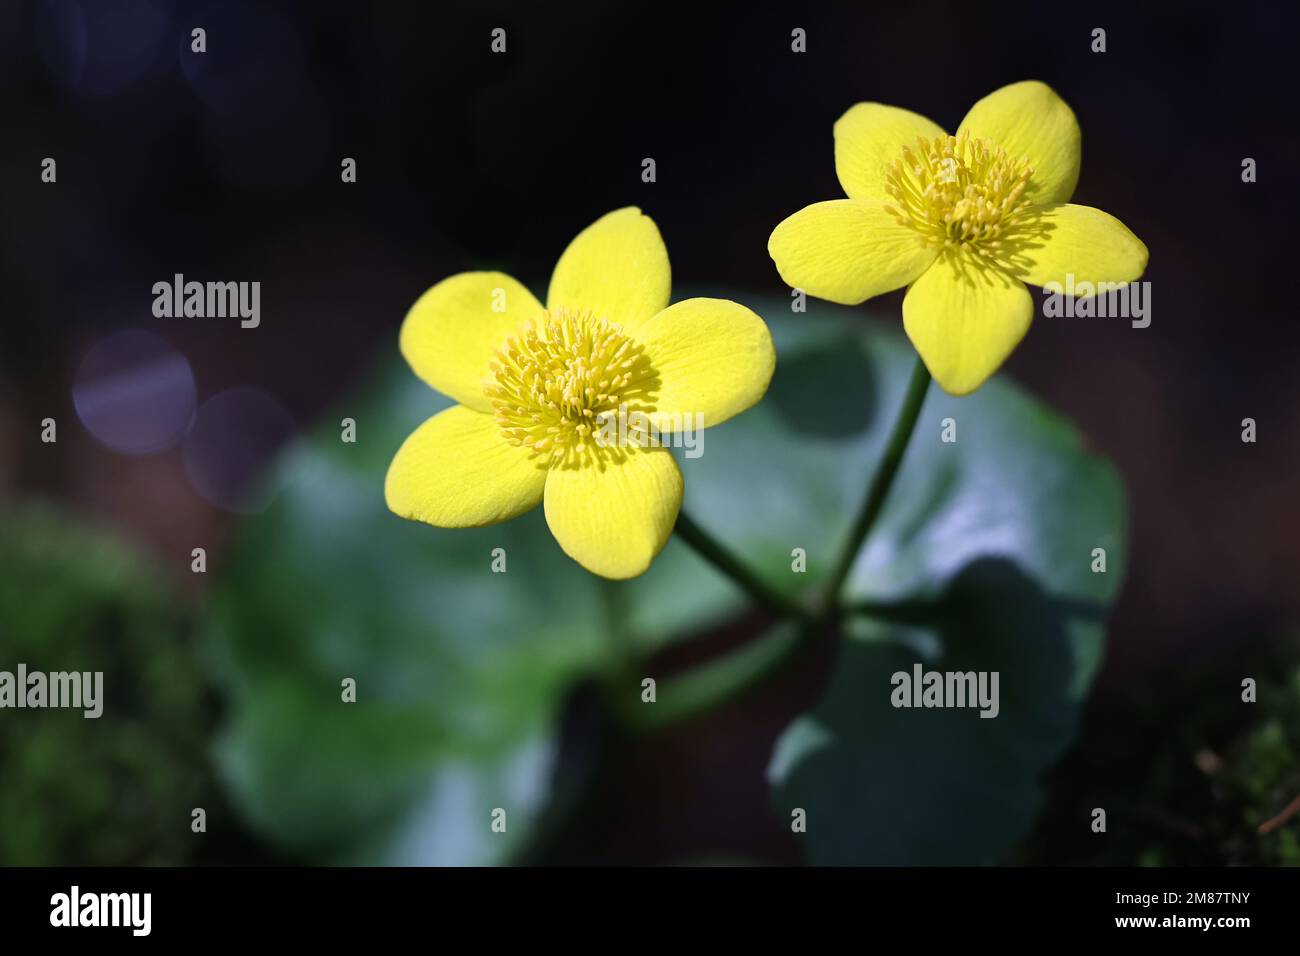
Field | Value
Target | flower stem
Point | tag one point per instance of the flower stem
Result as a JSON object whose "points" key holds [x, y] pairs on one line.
{"points": [[722, 559], [724, 679], [740, 671], [881, 481]]}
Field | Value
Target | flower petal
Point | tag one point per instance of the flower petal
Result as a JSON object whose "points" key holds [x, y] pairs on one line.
{"points": [[458, 471], [613, 516], [713, 359], [964, 320], [1029, 120], [616, 268], [846, 251], [867, 138], [1079, 241], [451, 333]]}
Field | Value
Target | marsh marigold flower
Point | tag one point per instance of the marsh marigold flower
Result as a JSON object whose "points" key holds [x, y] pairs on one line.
{"points": [[964, 221], [535, 383]]}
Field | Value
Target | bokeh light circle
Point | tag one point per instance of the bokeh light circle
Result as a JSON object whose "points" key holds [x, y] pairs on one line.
{"points": [[235, 436], [134, 393]]}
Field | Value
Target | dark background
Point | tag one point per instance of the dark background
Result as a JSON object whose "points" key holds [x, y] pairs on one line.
{"points": [[226, 166]]}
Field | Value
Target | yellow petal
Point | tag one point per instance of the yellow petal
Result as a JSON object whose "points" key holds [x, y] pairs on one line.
{"points": [[869, 136], [965, 320], [1068, 240], [452, 332], [617, 268], [1029, 120], [613, 517], [457, 471], [846, 251], [713, 359]]}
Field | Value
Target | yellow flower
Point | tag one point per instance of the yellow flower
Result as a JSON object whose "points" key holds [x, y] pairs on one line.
{"points": [[963, 220], [543, 388]]}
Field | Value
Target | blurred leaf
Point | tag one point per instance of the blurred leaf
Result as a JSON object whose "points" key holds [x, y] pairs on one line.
{"points": [[911, 786], [112, 790], [461, 672]]}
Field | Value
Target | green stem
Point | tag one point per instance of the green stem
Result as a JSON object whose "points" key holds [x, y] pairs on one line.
{"points": [[723, 680], [881, 481], [740, 671], [722, 559], [898, 612]]}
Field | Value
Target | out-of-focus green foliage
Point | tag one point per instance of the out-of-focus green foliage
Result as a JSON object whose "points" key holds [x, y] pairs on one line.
{"points": [[1187, 773], [461, 673], [118, 789]]}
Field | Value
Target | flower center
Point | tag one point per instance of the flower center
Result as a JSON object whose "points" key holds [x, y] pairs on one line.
{"points": [[558, 378], [958, 191]]}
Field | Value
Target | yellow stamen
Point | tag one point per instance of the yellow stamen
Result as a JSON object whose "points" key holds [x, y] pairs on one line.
{"points": [[958, 191], [553, 382]]}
